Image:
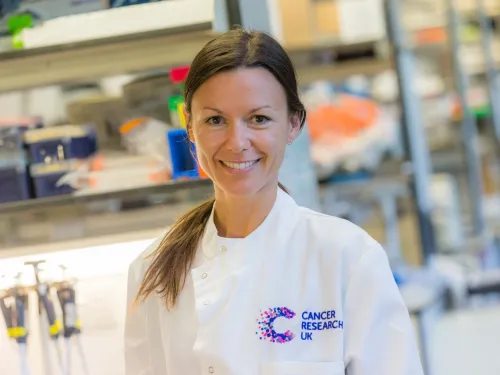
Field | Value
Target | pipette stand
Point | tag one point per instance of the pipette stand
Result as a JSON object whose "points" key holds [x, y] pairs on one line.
{"points": [[45, 339]]}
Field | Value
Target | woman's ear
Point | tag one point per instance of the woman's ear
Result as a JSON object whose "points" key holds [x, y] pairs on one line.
{"points": [[295, 127], [189, 126]]}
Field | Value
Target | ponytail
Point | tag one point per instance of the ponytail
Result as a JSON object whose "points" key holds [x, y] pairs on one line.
{"points": [[174, 256], [172, 260]]}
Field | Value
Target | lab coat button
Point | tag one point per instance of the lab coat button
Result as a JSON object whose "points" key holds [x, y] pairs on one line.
{"points": [[204, 275], [223, 249], [211, 370]]}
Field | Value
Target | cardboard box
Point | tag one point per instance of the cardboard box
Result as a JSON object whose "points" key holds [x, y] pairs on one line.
{"points": [[148, 95], [326, 18], [297, 22], [310, 22], [106, 114]]}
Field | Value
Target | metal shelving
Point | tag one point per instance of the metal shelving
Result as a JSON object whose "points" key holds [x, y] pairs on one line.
{"points": [[152, 50], [82, 199], [159, 49], [148, 51], [414, 132], [99, 58]]}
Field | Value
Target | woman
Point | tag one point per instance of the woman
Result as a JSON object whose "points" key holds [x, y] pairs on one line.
{"points": [[249, 282]]}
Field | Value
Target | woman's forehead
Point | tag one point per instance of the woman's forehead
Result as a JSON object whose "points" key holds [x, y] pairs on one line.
{"points": [[246, 87]]}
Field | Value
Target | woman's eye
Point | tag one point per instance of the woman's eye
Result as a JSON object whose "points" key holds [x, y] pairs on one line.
{"points": [[214, 120], [258, 119]]}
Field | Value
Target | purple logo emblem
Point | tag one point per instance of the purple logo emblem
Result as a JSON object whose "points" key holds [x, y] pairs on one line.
{"points": [[266, 325]]}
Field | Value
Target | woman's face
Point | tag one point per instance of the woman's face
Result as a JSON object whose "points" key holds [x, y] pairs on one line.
{"points": [[241, 125]]}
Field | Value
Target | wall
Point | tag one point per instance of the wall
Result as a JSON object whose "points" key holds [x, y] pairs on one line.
{"points": [[101, 298]]}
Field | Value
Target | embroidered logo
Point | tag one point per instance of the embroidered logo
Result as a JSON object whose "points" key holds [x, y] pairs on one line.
{"points": [[311, 322], [266, 325], [319, 321]]}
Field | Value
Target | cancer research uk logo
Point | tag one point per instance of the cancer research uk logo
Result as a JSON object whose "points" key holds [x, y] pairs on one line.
{"points": [[311, 322]]}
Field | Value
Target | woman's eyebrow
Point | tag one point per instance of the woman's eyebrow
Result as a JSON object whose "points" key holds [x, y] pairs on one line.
{"points": [[251, 111], [213, 109], [259, 108]]}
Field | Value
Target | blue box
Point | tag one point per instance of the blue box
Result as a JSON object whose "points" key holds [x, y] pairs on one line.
{"points": [[14, 181], [125, 3], [182, 153], [60, 143], [11, 139], [46, 176], [12, 133]]}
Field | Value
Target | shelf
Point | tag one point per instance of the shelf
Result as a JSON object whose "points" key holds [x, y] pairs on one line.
{"points": [[57, 224], [335, 71], [75, 199], [104, 57], [86, 242], [373, 187], [159, 49]]}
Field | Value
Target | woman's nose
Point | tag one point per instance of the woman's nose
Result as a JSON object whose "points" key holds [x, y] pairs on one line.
{"points": [[237, 137]]}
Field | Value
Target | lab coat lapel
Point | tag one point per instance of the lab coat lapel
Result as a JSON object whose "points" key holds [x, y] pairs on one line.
{"points": [[273, 231], [272, 234]]}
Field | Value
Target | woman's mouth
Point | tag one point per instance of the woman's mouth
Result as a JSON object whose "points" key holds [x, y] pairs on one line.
{"points": [[239, 167]]}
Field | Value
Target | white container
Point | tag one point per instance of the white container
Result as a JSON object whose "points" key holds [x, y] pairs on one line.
{"points": [[147, 137], [447, 214]]}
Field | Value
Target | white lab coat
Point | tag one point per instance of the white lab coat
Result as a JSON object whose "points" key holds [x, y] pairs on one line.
{"points": [[304, 294]]}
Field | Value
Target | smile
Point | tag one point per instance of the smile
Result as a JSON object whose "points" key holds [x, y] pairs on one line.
{"points": [[240, 166]]}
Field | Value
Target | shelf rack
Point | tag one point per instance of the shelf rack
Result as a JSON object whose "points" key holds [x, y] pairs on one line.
{"points": [[82, 199], [147, 51], [60, 64], [160, 49]]}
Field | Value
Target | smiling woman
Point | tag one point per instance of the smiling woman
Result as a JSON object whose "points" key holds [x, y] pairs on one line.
{"points": [[242, 109], [221, 289], [241, 139]]}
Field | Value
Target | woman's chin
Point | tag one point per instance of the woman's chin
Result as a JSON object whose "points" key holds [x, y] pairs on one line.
{"points": [[239, 188]]}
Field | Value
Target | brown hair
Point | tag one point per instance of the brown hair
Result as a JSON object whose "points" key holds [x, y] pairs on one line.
{"points": [[237, 48]]}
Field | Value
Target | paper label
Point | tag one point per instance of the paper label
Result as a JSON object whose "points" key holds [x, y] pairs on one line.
{"points": [[361, 20]]}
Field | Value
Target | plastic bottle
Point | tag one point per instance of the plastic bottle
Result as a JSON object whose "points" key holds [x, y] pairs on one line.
{"points": [[175, 115], [176, 103]]}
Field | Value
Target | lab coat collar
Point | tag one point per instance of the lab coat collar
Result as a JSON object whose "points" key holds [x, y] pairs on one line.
{"points": [[279, 219]]}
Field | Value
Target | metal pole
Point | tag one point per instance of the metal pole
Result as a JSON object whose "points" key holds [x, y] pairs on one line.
{"points": [[233, 13], [468, 125], [413, 129], [491, 68]]}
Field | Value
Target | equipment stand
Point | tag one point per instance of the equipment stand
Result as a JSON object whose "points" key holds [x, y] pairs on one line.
{"points": [[492, 72], [414, 134], [468, 126]]}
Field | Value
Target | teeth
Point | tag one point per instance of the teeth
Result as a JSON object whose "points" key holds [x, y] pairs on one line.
{"points": [[244, 165]]}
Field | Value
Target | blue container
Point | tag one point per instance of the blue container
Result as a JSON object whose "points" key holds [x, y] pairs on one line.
{"points": [[11, 139], [14, 181], [60, 143], [357, 86], [340, 177], [182, 153], [46, 176], [12, 133], [400, 281], [126, 3]]}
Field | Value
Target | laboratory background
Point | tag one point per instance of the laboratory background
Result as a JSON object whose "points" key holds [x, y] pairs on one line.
{"points": [[402, 138]]}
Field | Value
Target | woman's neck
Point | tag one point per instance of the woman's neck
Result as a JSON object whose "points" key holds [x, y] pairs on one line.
{"points": [[237, 217]]}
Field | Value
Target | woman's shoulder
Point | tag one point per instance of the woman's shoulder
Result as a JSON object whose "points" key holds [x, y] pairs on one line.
{"points": [[335, 233]]}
